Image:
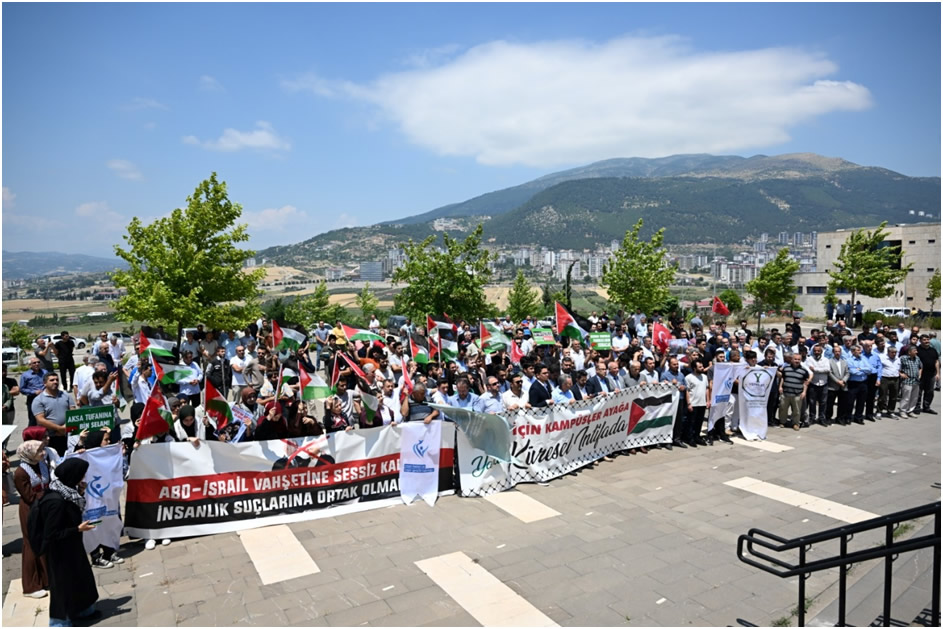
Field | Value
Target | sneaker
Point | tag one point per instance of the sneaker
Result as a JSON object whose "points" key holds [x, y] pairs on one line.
{"points": [[165, 542], [795, 426], [115, 559], [37, 594], [103, 563], [150, 544], [929, 410], [879, 415]]}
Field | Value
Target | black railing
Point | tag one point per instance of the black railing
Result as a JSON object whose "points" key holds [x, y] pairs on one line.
{"points": [[888, 551]]}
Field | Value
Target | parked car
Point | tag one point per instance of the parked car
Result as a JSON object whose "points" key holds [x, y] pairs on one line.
{"points": [[13, 356], [894, 312], [125, 338], [80, 343]]}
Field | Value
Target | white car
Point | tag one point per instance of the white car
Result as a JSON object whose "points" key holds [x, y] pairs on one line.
{"points": [[13, 356], [894, 312], [54, 338]]}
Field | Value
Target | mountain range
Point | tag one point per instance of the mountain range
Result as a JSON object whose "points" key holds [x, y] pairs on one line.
{"points": [[19, 265], [696, 198]]}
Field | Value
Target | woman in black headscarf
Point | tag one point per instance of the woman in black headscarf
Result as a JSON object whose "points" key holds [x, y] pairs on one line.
{"points": [[71, 583]]}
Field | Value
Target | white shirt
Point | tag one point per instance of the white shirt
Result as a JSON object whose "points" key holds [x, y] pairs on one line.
{"points": [[819, 369], [890, 368], [192, 389], [579, 359], [510, 400], [620, 343], [392, 403], [117, 350], [141, 389], [238, 377], [83, 375], [697, 388]]}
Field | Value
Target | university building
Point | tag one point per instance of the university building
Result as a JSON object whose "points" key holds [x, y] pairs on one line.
{"points": [[920, 245]]}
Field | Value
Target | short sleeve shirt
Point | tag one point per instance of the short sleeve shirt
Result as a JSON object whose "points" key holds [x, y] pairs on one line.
{"points": [[53, 408]]}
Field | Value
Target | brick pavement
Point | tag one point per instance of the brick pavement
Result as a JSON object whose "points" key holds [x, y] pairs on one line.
{"points": [[643, 540]]}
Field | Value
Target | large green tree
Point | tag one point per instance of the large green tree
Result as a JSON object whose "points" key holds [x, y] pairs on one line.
{"points": [[773, 287], [522, 299], [933, 288], [367, 302], [731, 299], [21, 336], [187, 267], [638, 274], [866, 265], [449, 280]]}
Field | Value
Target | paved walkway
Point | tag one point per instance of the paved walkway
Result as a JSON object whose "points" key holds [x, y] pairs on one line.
{"points": [[643, 540]]}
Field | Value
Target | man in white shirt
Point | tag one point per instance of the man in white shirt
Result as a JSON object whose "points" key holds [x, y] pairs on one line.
{"points": [[620, 342], [83, 375], [817, 392], [238, 365], [515, 398], [576, 353], [391, 409], [116, 349], [888, 383], [641, 328]]}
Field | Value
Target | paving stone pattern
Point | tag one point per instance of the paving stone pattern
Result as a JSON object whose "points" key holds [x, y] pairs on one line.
{"points": [[648, 539]]}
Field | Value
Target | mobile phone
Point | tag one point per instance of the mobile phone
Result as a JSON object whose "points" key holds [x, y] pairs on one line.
{"points": [[95, 522]]}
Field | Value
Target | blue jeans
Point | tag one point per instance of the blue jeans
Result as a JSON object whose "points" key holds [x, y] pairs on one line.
{"points": [[59, 622]]}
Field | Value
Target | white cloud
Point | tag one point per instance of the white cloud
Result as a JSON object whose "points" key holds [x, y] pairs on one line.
{"points": [[211, 84], [286, 219], [263, 137], [564, 102], [345, 220], [9, 199], [144, 103], [125, 169], [99, 216]]}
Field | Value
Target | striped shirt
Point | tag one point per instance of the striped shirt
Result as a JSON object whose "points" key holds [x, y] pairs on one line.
{"points": [[793, 379]]}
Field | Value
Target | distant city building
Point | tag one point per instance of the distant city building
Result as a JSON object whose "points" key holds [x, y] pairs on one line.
{"points": [[784, 238], [371, 271], [335, 273], [687, 262], [920, 246], [595, 266], [250, 263], [797, 239], [564, 265], [701, 260], [759, 246]]}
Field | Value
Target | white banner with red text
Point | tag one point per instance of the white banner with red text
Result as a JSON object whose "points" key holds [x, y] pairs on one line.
{"points": [[548, 443], [176, 490]]}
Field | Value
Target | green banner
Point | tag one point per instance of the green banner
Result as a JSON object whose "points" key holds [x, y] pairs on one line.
{"points": [[600, 340], [90, 418], [543, 336]]}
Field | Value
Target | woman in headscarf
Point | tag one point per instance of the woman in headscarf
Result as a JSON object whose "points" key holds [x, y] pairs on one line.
{"points": [[31, 480], [237, 430], [71, 583], [273, 424], [187, 428]]}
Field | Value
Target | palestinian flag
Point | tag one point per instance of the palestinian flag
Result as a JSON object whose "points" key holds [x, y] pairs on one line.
{"points": [[446, 335], [354, 366], [419, 348], [172, 374], [406, 389], [156, 418], [286, 338], [217, 407], [155, 347], [651, 412], [359, 334], [371, 406], [568, 324], [336, 372], [491, 337], [313, 386]]}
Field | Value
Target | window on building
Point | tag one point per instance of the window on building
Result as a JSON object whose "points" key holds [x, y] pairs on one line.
{"points": [[828, 246], [931, 241], [911, 242], [842, 291], [815, 290], [931, 270], [798, 290]]}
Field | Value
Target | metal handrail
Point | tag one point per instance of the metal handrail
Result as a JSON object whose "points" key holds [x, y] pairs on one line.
{"points": [[748, 552]]}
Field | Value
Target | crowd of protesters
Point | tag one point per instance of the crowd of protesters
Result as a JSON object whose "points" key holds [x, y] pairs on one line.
{"points": [[833, 374]]}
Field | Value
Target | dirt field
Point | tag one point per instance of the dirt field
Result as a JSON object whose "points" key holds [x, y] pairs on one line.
{"points": [[16, 309]]}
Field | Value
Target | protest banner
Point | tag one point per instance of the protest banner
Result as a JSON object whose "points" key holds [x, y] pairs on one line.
{"points": [[755, 386], [600, 340], [547, 443], [104, 481], [543, 336], [419, 462], [89, 418], [724, 375], [176, 490]]}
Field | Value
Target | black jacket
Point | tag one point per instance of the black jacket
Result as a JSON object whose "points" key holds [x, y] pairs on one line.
{"points": [[538, 394]]}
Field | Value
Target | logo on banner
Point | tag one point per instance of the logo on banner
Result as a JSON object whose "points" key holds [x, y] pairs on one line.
{"points": [[420, 449], [95, 488], [756, 382]]}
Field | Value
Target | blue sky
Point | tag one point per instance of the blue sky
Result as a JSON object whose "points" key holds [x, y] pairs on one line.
{"points": [[323, 116]]}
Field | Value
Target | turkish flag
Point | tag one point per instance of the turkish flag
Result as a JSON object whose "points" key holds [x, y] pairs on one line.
{"points": [[719, 307], [660, 337]]}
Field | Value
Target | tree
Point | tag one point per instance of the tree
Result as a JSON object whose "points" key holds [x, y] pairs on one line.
{"points": [[367, 302], [549, 299], [522, 299], [731, 299], [187, 267], [21, 336], [867, 266], [307, 310], [450, 281], [933, 289], [638, 274], [773, 287]]}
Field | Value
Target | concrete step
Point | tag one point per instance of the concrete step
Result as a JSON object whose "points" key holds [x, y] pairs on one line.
{"points": [[864, 603]]}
